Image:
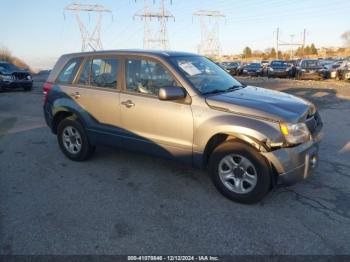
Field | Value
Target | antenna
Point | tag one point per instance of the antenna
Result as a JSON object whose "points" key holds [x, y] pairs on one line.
{"points": [[90, 40], [210, 43]]}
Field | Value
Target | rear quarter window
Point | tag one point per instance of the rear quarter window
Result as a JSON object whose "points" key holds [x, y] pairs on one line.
{"points": [[69, 71]]}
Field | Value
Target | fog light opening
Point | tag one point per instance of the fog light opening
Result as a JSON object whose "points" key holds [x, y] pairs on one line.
{"points": [[313, 161]]}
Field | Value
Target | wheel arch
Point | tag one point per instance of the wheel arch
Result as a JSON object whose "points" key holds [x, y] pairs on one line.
{"points": [[61, 115], [260, 147], [219, 138]]}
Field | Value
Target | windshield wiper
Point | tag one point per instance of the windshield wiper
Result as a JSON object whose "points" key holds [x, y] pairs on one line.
{"points": [[218, 91], [232, 88], [215, 91]]}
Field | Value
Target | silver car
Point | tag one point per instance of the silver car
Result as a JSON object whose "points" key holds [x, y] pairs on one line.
{"points": [[182, 106]]}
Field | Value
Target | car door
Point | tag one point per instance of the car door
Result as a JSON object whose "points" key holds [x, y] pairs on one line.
{"points": [[162, 128], [98, 95]]}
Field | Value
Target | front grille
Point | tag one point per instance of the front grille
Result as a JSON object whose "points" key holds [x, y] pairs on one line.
{"points": [[313, 123], [20, 76]]}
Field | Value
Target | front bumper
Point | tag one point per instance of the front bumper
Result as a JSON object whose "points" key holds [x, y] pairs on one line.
{"points": [[312, 75], [278, 73], [16, 83], [251, 73], [296, 163]]}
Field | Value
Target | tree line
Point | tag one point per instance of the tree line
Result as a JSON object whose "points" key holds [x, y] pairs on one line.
{"points": [[271, 53]]}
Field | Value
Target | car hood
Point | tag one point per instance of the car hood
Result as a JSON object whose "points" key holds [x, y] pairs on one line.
{"points": [[312, 68], [279, 67], [262, 103], [11, 71]]}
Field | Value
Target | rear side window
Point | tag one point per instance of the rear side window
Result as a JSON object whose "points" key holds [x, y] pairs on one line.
{"points": [[68, 73], [104, 72]]}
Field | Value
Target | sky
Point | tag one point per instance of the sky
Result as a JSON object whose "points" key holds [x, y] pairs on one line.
{"points": [[39, 31]]}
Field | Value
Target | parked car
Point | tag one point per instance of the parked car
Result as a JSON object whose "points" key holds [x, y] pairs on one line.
{"points": [[343, 72], [310, 69], [252, 69], [233, 67], [182, 106], [293, 67], [265, 63], [279, 68], [13, 77], [331, 69]]}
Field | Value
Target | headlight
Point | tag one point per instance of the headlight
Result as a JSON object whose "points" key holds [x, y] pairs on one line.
{"points": [[303, 70], [6, 77], [295, 133], [29, 77], [271, 69], [245, 71]]}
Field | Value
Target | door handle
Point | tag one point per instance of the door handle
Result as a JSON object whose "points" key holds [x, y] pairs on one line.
{"points": [[128, 104], [76, 95]]}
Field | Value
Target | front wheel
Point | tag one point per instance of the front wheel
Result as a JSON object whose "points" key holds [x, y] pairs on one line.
{"points": [[73, 140], [239, 172]]}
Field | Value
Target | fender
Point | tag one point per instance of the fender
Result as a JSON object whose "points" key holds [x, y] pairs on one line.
{"points": [[258, 133]]}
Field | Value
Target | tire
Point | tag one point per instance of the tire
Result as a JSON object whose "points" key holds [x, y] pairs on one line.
{"points": [[253, 191], [72, 128], [337, 77]]}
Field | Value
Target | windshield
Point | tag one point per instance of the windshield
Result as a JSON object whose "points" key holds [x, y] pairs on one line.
{"points": [[205, 75], [279, 63], [311, 63], [254, 65], [233, 64]]}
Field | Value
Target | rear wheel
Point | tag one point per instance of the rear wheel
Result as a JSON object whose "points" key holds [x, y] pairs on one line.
{"points": [[73, 140], [239, 172]]}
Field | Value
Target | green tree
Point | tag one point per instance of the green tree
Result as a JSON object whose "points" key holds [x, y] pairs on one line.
{"points": [[272, 53], [299, 52], [313, 50], [247, 52], [307, 50]]}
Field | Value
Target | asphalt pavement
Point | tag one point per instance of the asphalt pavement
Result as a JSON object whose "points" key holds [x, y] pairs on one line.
{"points": [[124, 203]]}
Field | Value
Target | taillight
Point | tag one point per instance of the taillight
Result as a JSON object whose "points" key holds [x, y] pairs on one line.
{"points": [[46, 89]]}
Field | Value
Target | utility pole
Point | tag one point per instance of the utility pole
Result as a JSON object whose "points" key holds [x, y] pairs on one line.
{"points": [[159, 39], [304, 41], [280, 43], [90, 40], [277, 42], [210, 36]]}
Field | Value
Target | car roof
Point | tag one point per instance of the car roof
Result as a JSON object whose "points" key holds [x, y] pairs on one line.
{"points": [[316, 60], [158, 53]]}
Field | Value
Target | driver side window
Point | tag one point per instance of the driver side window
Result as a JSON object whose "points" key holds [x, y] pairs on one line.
{"points": [[147, 77]]}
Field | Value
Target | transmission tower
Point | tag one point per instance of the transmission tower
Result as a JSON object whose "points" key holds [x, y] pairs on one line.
{"points": [[90, 40], [155, 39], [292, 44], [210, 31]]}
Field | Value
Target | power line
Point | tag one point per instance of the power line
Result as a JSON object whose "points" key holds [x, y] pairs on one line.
{"points": [[210, 41], [90, 40], [279, 42], [155, 39]]}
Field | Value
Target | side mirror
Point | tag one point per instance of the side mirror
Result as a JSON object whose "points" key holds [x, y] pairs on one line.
{"points": [[171, 93]]}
